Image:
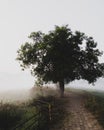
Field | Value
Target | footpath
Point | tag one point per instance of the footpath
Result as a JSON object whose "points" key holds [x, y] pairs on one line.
{"points": [[78, 117]]}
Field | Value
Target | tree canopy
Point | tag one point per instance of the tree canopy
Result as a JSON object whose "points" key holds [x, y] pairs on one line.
{"points": [[61, 56]]}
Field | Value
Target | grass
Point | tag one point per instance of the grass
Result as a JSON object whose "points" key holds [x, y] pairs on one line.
{"points": [[95, 103], [52, 111], [49, 111], [9, 116]]}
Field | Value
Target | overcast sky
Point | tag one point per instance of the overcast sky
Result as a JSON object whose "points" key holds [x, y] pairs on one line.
{"points": [[18, 18]]}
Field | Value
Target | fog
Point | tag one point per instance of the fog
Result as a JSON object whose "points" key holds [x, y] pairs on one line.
{"points": [[15, 81], [21, 17], [25, 94], [84, 85], [12, 96]]}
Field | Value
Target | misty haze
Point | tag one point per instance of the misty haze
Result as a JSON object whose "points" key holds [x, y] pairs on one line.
{"points": [[59, 45]]}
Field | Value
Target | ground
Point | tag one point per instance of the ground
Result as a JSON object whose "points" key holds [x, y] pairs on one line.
{"points": [[78, 117]]}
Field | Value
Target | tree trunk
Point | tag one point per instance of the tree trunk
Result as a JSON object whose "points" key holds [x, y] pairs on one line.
{"points": [[61, 86]]}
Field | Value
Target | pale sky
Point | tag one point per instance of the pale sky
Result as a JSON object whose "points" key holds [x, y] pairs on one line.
{"points": [[18, 18]]}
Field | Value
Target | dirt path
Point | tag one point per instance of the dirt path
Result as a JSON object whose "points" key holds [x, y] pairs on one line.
{"points": [[78, 118]]}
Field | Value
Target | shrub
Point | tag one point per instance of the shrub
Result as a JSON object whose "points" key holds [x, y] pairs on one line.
{"points": [[9, 116]]}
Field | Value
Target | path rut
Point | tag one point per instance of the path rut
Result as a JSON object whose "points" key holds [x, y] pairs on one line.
{"points": [[78, 117]]}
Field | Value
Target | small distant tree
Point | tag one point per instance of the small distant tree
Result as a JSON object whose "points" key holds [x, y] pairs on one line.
{"points": [[61, 56]]}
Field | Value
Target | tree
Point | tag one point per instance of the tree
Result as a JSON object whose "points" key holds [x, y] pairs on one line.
{"points": [[61, 56]]}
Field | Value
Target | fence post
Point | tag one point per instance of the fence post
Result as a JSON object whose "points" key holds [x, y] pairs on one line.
{"points": [[50, 116]]}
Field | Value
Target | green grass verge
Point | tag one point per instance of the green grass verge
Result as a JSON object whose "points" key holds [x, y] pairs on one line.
{"points": [[95, 103], [52, 113], [49, 111], [9, 116]]}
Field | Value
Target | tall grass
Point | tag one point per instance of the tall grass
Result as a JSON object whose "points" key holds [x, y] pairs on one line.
{"points": [[9, 116], [46, 111], [52, 111], [95, 103]]}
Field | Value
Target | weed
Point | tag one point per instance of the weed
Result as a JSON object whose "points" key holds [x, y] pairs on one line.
{"points": [[95, 103]]}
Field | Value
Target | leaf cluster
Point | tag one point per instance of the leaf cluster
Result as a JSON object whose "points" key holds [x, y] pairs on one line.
{"points": [[62, 55]]}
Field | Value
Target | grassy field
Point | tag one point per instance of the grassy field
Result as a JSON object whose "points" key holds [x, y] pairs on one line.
{"points": [[40, 113], [46, 110], [95, 104], [11, 115]]}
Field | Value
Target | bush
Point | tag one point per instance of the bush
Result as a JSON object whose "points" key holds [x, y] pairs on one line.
{"points": [[9, 116], [51, 110]]}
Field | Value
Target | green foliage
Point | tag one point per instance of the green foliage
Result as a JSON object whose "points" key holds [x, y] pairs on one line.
{"points": [[39, 82], [9, 116], [61, 56], [52, 116], [13, 115], [95, 103], [41, 113], [44, 105]]}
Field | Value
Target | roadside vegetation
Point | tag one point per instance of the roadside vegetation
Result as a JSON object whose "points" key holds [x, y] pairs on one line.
{"points": [[46, 111], [95, 103], [40, 113], [11, 115]]}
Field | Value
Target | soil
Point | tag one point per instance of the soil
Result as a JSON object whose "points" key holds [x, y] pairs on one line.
{"points": [[78, 117]]}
